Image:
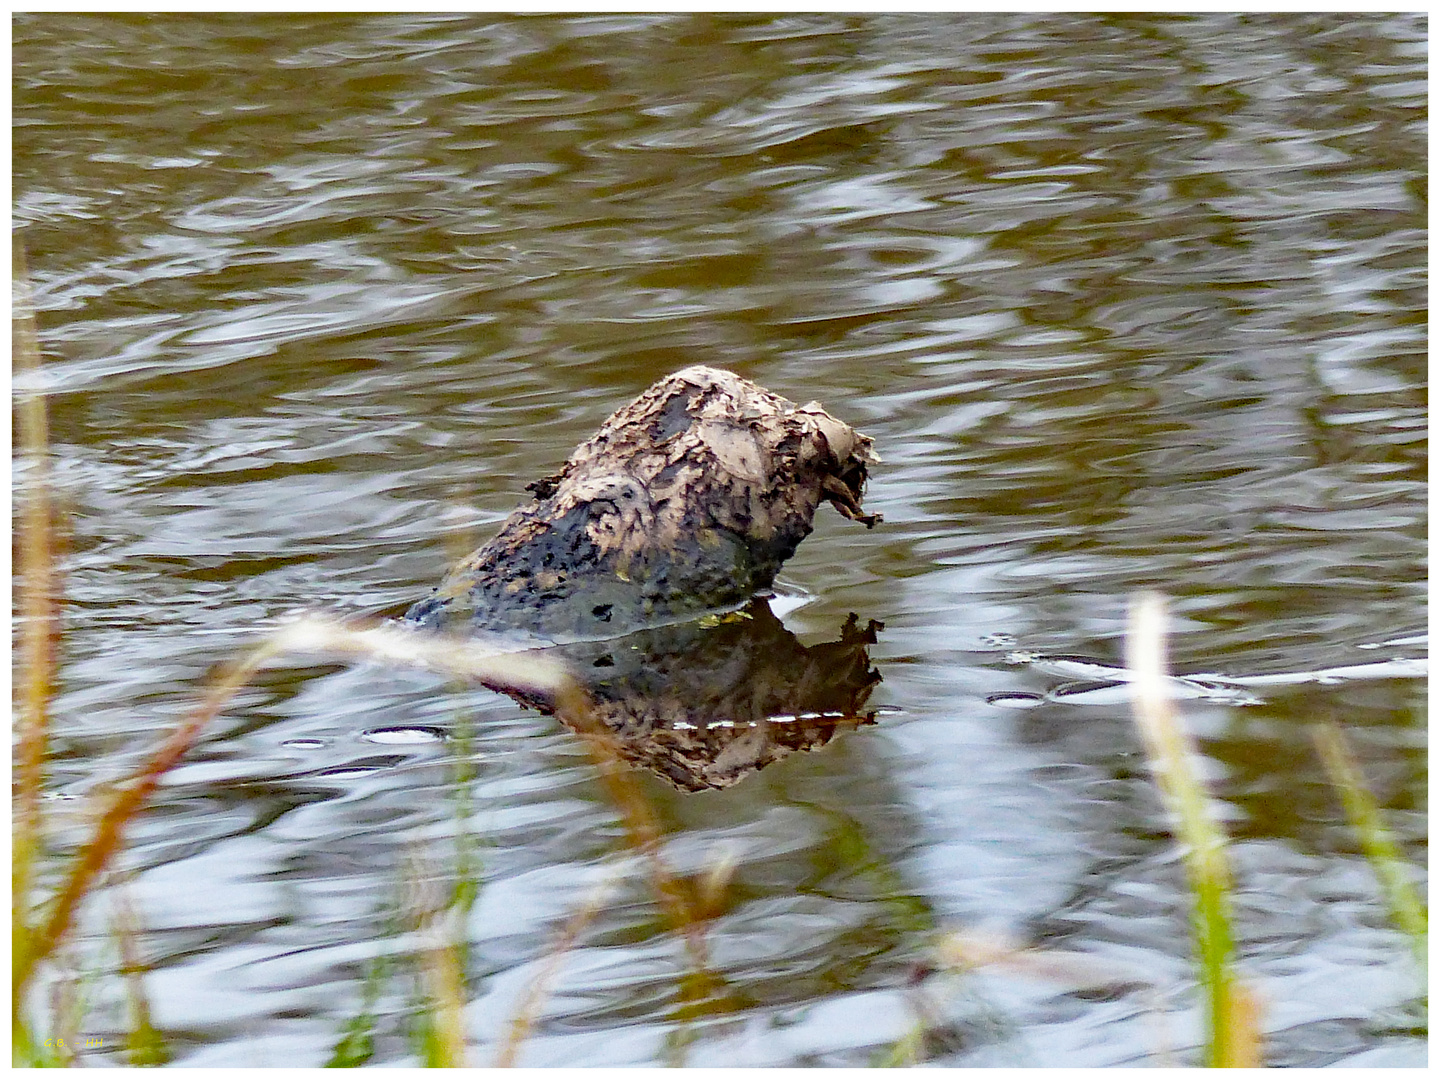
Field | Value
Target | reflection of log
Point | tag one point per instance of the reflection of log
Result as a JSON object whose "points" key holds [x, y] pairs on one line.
{"points": [[686, 500], [705, 704]]}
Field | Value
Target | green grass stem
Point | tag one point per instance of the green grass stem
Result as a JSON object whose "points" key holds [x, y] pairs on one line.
{"points": [[1391, 870], [1230, 1012], [144, 1043]]}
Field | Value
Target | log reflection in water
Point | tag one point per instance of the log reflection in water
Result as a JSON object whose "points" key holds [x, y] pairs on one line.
{"points": [[705, 703]]}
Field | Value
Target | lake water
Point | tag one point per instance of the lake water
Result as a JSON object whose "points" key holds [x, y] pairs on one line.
{"points": [[1126, 301]]}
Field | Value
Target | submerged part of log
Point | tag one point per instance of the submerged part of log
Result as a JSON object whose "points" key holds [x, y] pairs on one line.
{"points": [[706, 703], [686, 500]]}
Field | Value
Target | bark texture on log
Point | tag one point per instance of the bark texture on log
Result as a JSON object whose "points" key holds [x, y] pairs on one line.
{"points": [[686, 500]]}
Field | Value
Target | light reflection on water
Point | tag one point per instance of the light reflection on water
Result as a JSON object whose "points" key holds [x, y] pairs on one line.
{"points": [[1125, 301]]}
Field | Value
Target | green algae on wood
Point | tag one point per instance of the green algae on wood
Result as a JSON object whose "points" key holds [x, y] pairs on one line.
{"points": [[686, 500]]}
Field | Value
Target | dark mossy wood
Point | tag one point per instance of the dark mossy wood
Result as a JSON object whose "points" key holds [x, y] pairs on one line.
{"points": [[686, 500]]}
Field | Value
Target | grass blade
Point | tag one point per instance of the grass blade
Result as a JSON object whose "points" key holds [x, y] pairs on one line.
{"points": [[524, 1018], [1393, 873], [1232, 1021], [144, 1043]]}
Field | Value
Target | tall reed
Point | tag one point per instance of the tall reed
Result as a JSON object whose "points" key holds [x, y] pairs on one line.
{"points": [[1231, 1011], [39, 632]]}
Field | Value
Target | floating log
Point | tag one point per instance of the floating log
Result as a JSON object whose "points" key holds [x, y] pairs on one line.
{"points": [[686, 500]]}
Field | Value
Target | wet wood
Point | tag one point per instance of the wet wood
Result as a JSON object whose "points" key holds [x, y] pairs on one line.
{"points": [[686, 500]]}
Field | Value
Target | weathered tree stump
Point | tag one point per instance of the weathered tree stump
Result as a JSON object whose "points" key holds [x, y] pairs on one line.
{"points": [[686, 500]]}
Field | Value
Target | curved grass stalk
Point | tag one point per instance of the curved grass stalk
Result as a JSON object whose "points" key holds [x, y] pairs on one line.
{"points": [[308, 635], [124, 804]]}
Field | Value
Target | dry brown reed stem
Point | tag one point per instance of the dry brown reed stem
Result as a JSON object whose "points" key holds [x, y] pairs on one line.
{"points": [[125, 803], [132, 964], [963, 950], [65, 1009], [528, 672], [309, 635], [1076, 971], [642, 830], [39, 630], [1168, 743], [524, 1019], [1243, 1047]]}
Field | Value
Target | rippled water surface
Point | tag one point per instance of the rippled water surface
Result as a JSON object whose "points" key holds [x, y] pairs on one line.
{"points": [[1125, 301]]}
